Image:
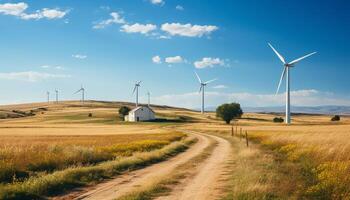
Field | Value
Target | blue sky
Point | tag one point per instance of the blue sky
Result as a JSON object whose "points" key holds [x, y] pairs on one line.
{"points": [[108, 45]]}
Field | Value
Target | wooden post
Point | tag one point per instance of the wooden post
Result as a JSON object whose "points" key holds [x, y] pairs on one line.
{"points": [[232, 131], [240, 135], [246, 138]]}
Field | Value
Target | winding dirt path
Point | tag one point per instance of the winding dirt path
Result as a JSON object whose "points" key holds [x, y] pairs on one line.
{"points": [[125, 183], [207, 182], [203, 185]]}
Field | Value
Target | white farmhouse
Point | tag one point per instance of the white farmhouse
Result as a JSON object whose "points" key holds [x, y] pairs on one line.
{"points": [[140, 113]]}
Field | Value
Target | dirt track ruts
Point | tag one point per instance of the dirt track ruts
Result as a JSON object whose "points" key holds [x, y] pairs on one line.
{"points": [[125, 183], [207, 182]]}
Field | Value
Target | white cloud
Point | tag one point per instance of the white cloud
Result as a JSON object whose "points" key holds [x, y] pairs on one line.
{"points": [[219, 86], [52, 67], [18, 9], [138, 28], [157, 2], [15, 9], [79, 56], [116, 19], [188, 30], [157, 59], [179, 7], [208, 62], [174, 60], [31, 76], [298, 98], [164, 37]]}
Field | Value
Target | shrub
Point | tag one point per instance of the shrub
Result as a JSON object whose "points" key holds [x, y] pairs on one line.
{"points": [[124, 110], [90, 115], [228, 112], [335, 118], [278, 120]]}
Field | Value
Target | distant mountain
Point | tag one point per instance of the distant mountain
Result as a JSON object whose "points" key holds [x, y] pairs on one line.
{"points": [[332, 110]]}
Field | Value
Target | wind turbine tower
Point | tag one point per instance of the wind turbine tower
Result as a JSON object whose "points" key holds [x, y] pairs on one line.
{"points": [[201, 89], [149, 99], [136, 89], [48, 96], [82, 90], [286, 74], [56, 91]]}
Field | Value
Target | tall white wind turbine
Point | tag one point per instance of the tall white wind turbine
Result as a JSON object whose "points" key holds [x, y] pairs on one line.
{"points": [[82, 90], [286, 74], [136, 89], [201, 89]]}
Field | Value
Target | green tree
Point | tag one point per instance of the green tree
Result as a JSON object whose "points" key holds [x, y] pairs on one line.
{"points": [[124, 110], [229, 111]]}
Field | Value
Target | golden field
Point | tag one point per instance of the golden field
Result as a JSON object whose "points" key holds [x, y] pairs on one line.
{"points": [[306, 160], [62, 135], [310, 157]]}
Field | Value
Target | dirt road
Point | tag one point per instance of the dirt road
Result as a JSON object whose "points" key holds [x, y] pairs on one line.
{"points": [[202, 186], [208, 179]]}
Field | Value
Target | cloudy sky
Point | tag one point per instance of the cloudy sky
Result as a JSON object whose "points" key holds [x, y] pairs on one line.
{"points": [[107, 45]]}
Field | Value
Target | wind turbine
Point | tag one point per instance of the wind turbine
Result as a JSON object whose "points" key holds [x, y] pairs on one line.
{"points": [[56, 91], [203, 84], [48, 96], [136, 88], [286, 73], [82, 90], [149, 98]]}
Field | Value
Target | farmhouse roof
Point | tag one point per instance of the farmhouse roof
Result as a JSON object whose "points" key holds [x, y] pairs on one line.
{"points": [[141, 107]]}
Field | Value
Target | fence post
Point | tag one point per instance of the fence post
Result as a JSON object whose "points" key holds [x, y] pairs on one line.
{"points": [[232, 131], [240, 135], [246, 138]]}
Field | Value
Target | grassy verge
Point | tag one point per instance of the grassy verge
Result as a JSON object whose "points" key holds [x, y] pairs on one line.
{"points": [[323, 171], [163, 186], [25, 156], [57, 182], [256, 173]]}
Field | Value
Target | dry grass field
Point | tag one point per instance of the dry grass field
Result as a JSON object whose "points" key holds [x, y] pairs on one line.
{"points": [[62, 136], [310, 157], [306, 160]]}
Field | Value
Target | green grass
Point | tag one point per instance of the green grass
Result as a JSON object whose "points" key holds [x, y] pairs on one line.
{"points": [[57, 182]]}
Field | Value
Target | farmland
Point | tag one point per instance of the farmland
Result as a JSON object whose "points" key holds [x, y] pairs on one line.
{"points": [[60, 147]]}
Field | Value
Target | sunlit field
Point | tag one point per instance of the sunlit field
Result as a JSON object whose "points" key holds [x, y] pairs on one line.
{"points": [[316, 149], [308, 159], [59, 137]]}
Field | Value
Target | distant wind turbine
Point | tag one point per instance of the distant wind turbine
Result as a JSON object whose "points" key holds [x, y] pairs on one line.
{"points": [[136, 88], [48, 96], [286, 73], [149, 98], [56, 91], [82, 90], [203, 84]]}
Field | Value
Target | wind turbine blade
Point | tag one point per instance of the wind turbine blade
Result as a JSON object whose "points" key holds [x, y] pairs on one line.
{"points": [[77, 91], [279, 55], [139, 82], [281, 79], [199, 79], [299, 59], [200, 89], [211, 81], [134, 89]]}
